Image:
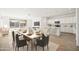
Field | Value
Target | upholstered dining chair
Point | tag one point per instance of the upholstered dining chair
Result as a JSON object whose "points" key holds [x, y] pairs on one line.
{"points": [[20, 43], [29, 40], [42, 42]]}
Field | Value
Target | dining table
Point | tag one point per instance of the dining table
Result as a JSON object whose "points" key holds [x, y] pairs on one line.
{"points": [[33, 37]]}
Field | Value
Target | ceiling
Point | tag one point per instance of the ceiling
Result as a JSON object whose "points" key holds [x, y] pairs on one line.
{"points": [[35, 12]]}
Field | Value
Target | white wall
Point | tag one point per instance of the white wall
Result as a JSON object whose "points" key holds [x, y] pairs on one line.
{"points": [[43, 25], [77, 26], [4, 22]]}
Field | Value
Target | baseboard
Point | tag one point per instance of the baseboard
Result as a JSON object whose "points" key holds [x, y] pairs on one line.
{"points": [[69, 33]]}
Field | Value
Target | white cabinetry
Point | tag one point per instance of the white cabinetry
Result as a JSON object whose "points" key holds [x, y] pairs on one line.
{"points": [[69, 28]]}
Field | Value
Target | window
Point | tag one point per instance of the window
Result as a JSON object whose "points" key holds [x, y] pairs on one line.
{"points": [[17, 24], [22, 23], [36, 23], [14, 24]]}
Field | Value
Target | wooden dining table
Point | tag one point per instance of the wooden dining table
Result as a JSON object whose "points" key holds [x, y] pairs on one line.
{"points": [[33, 37]]}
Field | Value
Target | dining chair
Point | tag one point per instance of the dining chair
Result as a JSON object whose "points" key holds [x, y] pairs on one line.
{"points": [[20, 43], [13, 41], [29, 40], [42, 42]]}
